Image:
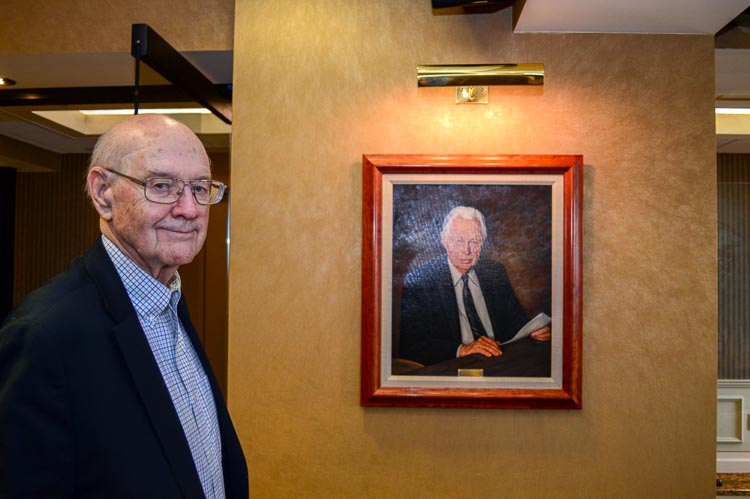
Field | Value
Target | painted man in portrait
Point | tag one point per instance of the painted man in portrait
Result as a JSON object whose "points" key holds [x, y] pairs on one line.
{"points": [[460, 304]]}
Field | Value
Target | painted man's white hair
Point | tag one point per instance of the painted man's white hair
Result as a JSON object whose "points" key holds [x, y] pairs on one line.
{"points": [[464, 212]]}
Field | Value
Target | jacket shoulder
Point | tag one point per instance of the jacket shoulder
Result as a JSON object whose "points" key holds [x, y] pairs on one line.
{"points": [[491, 268], [428, 272], [61, 298]]}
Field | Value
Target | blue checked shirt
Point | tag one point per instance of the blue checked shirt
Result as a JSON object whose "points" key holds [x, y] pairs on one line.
{"points": [[156, 306]]}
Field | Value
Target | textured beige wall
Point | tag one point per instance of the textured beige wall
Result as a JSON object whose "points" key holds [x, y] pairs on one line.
{"points": [[93, 26], [317, 84]]}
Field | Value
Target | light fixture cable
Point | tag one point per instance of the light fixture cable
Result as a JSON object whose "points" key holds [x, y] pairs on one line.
{"points": [[137, 88]]}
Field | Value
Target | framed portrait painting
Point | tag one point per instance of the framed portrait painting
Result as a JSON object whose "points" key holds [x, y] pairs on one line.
{"points": [[471, 281]]}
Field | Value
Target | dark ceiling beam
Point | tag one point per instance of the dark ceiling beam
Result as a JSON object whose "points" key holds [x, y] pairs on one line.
{"points": [[735, 34], [92, 95], [150, 48], [443, 7]]}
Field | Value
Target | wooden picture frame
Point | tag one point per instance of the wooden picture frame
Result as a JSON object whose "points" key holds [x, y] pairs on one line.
{"points": [[528, 259]]}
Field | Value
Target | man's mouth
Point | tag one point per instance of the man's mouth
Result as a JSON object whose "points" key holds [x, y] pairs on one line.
{"points": [[180, 230]]}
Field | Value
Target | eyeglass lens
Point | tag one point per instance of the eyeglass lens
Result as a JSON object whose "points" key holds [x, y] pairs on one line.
{"points": [[168, 190]]}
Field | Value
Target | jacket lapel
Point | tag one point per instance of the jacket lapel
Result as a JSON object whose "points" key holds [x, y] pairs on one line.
{"points": [[448, 299], [233, 460], [144, 370]]}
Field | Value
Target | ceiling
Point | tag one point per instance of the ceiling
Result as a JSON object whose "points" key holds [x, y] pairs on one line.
{"points": [[629, 16], [20, 123], [35, 136]]}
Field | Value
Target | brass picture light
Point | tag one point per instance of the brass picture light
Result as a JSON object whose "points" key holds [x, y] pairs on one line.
{"points": [[471, 80]]}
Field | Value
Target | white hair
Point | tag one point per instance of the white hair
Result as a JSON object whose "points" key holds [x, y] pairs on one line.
{"points": [[464, 212]]}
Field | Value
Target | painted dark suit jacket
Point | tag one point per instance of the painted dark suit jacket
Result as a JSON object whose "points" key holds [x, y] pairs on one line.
{"points": [[84, 412], [430, 331]]}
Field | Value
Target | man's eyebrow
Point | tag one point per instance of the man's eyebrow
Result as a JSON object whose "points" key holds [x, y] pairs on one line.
{"points": [[158, 173], [163, 174]]}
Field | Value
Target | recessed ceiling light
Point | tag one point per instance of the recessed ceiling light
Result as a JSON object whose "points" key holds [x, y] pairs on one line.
{"points": [[6, 82], [204, 123], [732, 110], [123, 112]]}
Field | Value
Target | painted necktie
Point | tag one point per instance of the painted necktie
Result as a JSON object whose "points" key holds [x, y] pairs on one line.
{"points": [[471, 311]]}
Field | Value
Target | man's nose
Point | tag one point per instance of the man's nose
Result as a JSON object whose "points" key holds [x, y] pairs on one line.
{"points": [[186, 205]]}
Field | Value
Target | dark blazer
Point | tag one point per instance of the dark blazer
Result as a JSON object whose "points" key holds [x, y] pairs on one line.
{"points": [[84, 412], [430, 331]]}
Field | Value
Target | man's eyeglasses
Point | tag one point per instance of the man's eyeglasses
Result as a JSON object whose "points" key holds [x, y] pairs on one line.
{"points": [[169, 190]]}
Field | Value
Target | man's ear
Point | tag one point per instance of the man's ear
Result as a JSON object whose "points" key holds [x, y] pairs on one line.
{"points": [[100, 191]]}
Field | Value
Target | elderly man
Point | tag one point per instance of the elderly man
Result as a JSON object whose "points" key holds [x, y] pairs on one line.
{"points": [[458, 305], [105, 390]]}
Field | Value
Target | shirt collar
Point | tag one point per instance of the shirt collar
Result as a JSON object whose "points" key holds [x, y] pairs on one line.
{"points": [[456, 275], [148, 295]]}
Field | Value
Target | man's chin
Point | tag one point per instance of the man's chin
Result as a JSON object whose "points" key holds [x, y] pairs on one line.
{"points": [[181, 254], [464, 267], [176, 237], [183, 258], [183, 261], [181, 246]]}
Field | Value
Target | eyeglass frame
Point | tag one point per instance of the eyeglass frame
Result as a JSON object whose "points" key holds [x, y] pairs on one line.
{"points": [[185, 182]]}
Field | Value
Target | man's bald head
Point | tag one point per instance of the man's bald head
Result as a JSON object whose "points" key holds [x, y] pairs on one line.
{"points": [[141, 134]]}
